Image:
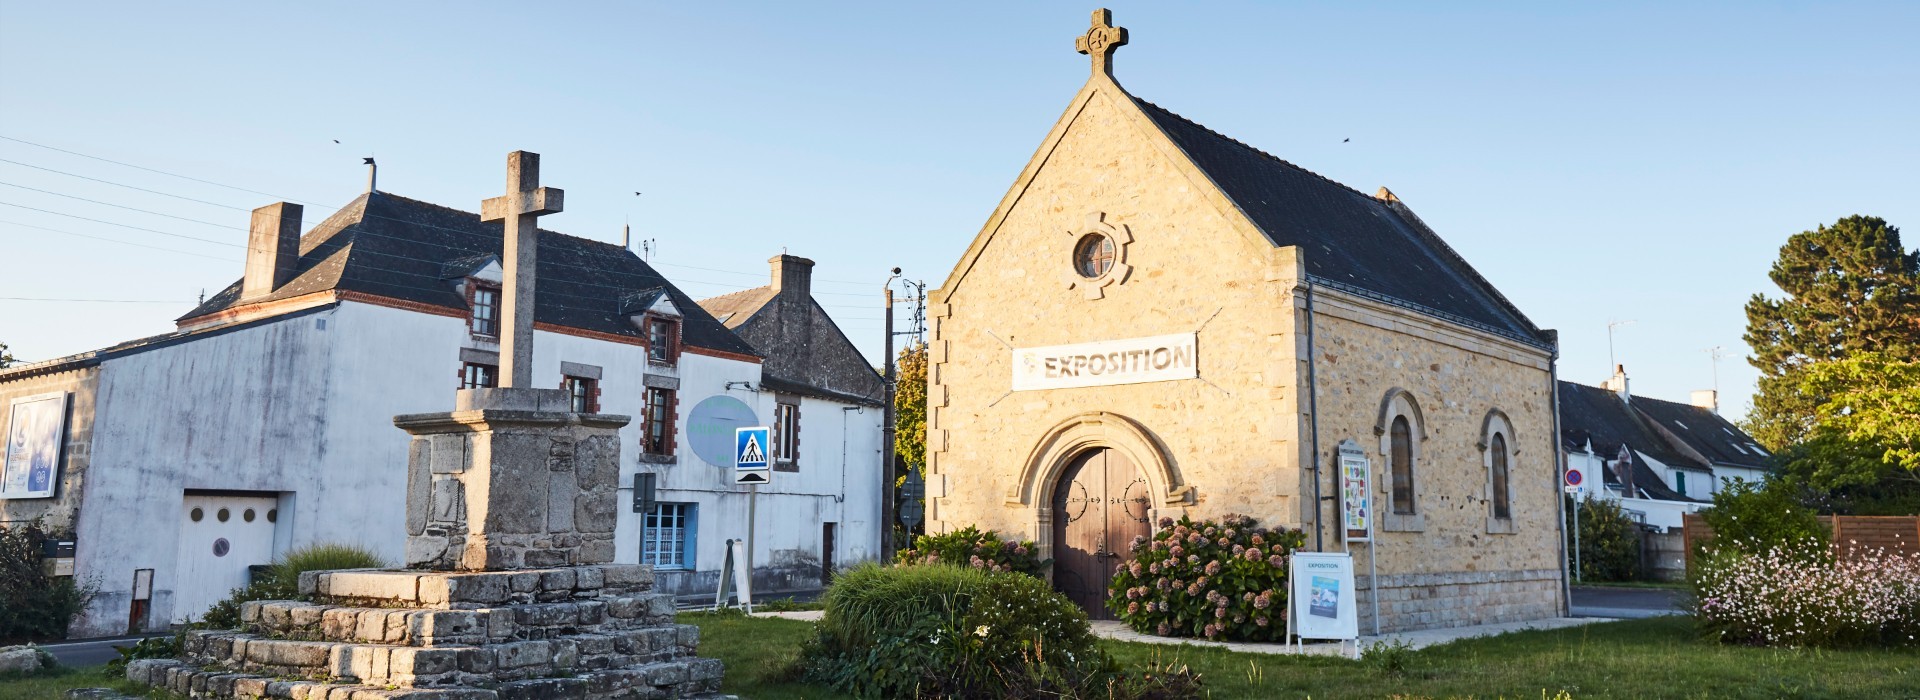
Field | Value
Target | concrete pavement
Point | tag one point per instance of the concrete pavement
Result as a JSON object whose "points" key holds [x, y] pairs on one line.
{"points": [[1627, 603]]}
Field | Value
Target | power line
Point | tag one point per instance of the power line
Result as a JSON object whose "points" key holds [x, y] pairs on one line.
{"points": [[122, 184], [151, 170], [111, 223], [111, 204], [115, 240], [98, 301]]}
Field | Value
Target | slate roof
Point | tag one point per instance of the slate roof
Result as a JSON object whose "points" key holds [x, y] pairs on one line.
{"points": [[1596, 414], [1706, 432], [1351, 240], [400, 248]]}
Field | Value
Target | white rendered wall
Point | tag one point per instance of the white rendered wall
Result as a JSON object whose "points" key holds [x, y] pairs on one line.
{"points": [[303, 407]]}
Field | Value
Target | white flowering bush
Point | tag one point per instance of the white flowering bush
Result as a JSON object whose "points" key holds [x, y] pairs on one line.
{"points": [[1799, 595]]}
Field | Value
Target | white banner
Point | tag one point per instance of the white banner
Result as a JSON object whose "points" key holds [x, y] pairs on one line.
{"points": [[1322, 597], [1159, 358]]}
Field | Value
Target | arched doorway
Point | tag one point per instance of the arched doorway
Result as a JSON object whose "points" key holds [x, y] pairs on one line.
{"points": [[1101, 503]]}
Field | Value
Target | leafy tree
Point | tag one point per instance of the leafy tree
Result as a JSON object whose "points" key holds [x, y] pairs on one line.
{"points": [[1850, 288], [1873, 402], [910, 411], [1609, 540], [6, 358]]}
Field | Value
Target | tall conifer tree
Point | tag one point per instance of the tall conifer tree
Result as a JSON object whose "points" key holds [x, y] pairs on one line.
{"points": [[1850, 288]]}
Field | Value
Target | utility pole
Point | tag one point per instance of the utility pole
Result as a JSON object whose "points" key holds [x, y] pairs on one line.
{"points": [[887, 432]]}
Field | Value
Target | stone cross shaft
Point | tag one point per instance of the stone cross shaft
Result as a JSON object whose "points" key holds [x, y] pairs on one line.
{"points": [[520, 210], [1100, 41]]}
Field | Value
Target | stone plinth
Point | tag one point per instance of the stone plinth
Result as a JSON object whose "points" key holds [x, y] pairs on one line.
{"points": [[595, 632], [511, 479]]}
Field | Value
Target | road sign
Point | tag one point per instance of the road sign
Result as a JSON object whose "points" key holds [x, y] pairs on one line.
{"points": [[912, 504], [750, 455], [1574, 477]]}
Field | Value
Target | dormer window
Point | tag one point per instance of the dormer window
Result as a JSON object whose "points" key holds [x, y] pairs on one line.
{"points": [[485, 302], [663, 340]]}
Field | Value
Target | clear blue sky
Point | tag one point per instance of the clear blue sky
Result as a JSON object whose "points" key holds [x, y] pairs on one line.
{"points": [[1618, 161]]}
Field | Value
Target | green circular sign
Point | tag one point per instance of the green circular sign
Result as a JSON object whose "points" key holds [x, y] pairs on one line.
{"points": [[710, 428]]}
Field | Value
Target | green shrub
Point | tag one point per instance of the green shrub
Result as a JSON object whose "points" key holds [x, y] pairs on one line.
{"points": [[282, 580], [33, 605], [1217, 580], [952, 631], [1609, 541], [980, 549], [1755, 519], [149, 648]]}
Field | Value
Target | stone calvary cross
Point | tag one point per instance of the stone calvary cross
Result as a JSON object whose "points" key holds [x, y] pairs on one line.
{"points": [[520, 208], [1100, 41]]}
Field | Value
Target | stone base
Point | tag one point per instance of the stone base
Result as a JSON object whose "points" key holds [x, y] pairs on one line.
{"points": [[579, 633]]}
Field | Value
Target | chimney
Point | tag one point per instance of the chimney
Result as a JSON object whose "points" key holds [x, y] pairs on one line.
{"points": [[373, 173], [1708, 399], [1618, 383], [273, 249], [792, 272]]}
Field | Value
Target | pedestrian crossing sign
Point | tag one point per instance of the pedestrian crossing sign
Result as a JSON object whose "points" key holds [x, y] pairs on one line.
{"points": [[750, 464]]}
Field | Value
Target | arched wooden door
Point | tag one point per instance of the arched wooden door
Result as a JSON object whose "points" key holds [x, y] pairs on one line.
{"points": [[1100, 505]]}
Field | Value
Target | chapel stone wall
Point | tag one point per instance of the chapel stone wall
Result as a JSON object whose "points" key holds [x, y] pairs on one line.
{"points": [[1228, 434], [1459, 568]]}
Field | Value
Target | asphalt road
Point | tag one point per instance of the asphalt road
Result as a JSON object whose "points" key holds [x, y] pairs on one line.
{"points": [[90, 652], [1596, 601]]}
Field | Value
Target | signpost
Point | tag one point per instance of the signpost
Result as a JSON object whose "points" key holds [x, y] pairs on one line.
{"points": [[1574, 480], [913, 507], [1321, 600], [750, 467], [1356, 512]]}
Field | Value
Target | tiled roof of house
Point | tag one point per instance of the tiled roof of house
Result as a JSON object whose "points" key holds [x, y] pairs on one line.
{"points": [[391, 246], [1350, 239], [1706, 432]]}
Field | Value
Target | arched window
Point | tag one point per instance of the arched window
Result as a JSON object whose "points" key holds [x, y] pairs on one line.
{"points": [[1499, 458], [1402, 439], [1502, 505], [1402, 430]]}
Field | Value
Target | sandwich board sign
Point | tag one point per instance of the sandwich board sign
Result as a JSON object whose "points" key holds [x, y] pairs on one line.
{"points": [[1322, 598], [750, 464]]}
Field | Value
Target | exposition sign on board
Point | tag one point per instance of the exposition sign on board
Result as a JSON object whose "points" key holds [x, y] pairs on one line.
{"points": [[1322, 596], [1158, 358], [35, 426]]}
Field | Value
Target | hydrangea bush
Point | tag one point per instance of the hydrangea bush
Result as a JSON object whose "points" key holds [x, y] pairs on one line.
{"points": [[1799, 595], [980, 549], [1216, 580]]}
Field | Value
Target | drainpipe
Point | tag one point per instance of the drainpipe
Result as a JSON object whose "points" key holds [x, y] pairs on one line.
{"points": [[1559, 475], [1313, 409]]}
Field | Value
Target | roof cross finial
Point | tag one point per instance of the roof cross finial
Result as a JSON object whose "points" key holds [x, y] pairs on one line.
{"points": [[1100, 41]]}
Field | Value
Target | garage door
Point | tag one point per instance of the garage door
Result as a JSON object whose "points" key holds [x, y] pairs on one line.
{"points": [[220, 536]]}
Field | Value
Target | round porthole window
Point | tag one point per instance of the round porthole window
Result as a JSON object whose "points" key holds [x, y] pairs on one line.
{"points": [[223, 515], [273, 515], [196, 514], [221, 547], [247, 515], [1093, 255]]}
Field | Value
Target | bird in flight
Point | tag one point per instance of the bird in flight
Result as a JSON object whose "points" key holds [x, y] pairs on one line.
{"points": [[1345, 140], [336, 140]]}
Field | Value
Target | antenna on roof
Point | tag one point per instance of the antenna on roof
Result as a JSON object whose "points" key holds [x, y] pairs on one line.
{"points": [[1716, 352], [1611, 360], [203, 295], [648, 247]]}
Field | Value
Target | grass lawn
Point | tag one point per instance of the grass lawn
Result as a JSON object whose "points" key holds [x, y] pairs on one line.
{"points": [[1657, 658]]}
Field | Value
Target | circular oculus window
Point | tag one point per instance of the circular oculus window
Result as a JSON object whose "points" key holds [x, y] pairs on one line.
{"points": [[1093, 255]]}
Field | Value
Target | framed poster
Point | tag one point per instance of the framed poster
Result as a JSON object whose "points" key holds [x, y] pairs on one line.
{"points": [[1356, 493], [1322, 596], [36, 426]]}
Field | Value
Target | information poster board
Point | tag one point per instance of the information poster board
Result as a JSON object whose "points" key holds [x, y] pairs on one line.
{"points": [[35, 426], [1356, 493], [1322, 596]]}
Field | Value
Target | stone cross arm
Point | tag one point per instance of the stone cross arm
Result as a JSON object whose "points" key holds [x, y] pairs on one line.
{"points": [[537, 201]]}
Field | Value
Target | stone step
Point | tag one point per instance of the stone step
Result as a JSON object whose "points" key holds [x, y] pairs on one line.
{"points": [[681, 678], [428, 627], [453, 590], [399, 665]]}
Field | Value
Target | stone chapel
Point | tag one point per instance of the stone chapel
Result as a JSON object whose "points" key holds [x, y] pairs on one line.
{"points": [[1159, 320]]}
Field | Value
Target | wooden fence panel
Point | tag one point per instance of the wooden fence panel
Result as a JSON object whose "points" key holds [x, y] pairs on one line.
{"points": [[1894, 534]]}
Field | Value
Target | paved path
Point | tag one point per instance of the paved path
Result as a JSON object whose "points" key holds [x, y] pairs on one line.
{"points": [[1113, 629], [1633, 603]]}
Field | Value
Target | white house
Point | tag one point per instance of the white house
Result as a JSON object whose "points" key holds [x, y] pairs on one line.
{"points": [[1659, 459], [265, 421]]}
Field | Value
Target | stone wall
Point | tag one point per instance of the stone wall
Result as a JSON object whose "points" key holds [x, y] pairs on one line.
{"points": [[1455, 550], [57, 514], [1193, 269]]}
